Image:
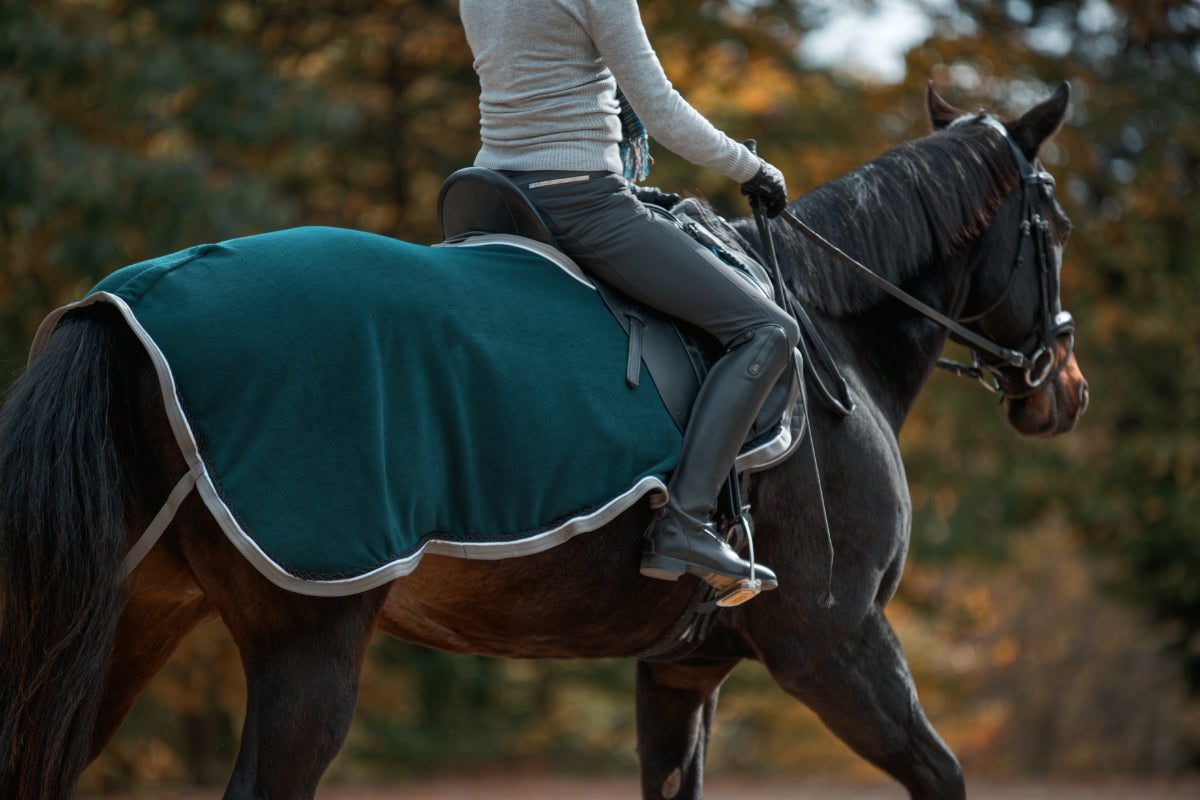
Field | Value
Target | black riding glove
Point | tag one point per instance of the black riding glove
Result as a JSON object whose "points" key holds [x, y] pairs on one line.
{"points": [[768, 186], [655, 196]]}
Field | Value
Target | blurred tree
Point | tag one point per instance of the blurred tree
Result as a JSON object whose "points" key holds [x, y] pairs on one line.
{"points": [[445, 711], [1128, 165], [129, 130]]}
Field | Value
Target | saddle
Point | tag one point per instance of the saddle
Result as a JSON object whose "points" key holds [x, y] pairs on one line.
{"points": [[480, 206]]}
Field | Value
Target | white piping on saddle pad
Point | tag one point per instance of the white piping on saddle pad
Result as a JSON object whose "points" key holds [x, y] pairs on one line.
{"points": [[791, 429], [552, 254]]}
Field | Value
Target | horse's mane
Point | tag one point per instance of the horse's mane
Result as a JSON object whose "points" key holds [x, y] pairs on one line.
{"points": [[920, 201]]}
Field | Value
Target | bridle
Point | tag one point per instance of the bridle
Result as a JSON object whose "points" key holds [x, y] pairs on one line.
{"points": [[1024, 377], [1015, 373]]}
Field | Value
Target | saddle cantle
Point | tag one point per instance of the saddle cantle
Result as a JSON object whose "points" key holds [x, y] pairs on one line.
{"points": [[478, 206], [475, 200]]}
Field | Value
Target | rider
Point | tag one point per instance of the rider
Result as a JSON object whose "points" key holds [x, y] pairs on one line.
{"points": [[554, 121]]}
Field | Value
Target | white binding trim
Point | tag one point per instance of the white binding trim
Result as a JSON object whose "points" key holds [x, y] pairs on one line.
{"points": [[551, 254], [196, 472], [158, 525], [480, 551], [199, 478]]}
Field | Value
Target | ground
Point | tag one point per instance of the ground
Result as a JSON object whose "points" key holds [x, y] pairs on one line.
{"points": [[510, 787]]}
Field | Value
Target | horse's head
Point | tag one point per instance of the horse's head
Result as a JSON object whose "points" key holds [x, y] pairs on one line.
{"points": [[1011, 296]]}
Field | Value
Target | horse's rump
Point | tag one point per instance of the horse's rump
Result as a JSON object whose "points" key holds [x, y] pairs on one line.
{"points": [[352, 401]]}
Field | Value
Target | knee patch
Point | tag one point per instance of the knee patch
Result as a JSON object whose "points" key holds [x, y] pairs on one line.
{"points": [[767, 350], [791, 331]]}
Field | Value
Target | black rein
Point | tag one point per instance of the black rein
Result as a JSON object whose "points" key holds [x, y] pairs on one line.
{"points": [[1035, 369]]}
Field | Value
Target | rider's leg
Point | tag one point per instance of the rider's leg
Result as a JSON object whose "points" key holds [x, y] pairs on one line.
{"points": [[611, 235], [728, 402]]}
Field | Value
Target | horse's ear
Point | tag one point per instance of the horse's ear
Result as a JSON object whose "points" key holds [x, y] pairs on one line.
{"points": [[941, 113], [1041, 122]]}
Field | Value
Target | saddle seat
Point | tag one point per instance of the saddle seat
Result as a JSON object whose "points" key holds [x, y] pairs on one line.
{"points": [[478, 206]]}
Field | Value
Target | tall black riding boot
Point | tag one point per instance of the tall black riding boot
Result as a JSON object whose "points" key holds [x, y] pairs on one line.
{"points": [[682, 538]]}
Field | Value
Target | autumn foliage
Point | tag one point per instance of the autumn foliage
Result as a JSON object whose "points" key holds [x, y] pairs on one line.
{"points": [[1052, 606]]}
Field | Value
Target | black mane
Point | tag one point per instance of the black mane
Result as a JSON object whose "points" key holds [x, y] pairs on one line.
{"points": [[917, 202]]}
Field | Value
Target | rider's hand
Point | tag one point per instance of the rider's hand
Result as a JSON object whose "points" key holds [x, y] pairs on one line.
{"points": [[656, 196], [768, 186]]}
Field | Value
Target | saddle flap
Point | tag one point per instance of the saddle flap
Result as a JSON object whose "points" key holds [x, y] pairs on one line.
{"points": [[478, 200]]}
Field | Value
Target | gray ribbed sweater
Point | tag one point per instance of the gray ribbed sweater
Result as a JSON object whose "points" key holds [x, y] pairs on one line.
{"points": [[548, 72]]}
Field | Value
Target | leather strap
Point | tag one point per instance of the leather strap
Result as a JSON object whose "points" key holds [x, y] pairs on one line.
{"points": [[633, 362], [1005, 354], [162, 520]]}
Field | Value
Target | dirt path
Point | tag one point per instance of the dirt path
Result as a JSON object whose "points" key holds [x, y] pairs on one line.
{"points": [[508, 787]]}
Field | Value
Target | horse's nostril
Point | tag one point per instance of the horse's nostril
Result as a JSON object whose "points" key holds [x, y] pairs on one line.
{"points": [[1083, 396]]}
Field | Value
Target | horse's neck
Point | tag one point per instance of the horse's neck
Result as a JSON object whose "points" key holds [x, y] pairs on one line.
{"points": [[894, 347], [898, 350]]}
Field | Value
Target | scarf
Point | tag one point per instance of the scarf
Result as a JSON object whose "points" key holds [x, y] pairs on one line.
{"points": [[635, 144]]}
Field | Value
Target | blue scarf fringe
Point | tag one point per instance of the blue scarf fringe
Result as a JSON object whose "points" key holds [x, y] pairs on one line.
{"points": [[635, 144]]}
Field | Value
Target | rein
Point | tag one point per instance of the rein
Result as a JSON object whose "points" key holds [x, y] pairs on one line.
{"points": [[1034, 369], [1009, 356]]}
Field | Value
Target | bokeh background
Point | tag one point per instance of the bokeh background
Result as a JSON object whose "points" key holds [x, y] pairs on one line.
{"points": [[1051, 607]]}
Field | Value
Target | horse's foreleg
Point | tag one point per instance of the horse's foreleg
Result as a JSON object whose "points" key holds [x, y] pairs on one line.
{"points": [[302, 657], [675, 706], [864, 693]]}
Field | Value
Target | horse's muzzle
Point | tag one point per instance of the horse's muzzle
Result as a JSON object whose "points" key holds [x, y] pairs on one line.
{"points": [[1058, 406]]}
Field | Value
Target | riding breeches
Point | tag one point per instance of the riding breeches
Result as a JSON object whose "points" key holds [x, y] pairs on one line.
{"points": [[612, 236]]}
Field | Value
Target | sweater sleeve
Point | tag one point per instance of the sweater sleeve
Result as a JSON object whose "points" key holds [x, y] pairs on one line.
{"points": [[615, 27]]}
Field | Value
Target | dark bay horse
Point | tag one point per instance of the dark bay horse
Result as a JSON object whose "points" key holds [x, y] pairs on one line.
{"points": [[87, 456]]}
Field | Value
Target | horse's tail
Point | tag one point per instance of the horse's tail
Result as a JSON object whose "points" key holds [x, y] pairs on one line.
{"points": [[62, 538]]}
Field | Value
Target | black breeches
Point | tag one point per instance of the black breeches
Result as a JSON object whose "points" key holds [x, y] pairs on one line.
{"points": [[611, 235]]}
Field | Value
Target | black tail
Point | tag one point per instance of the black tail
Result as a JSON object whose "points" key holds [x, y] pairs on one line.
{"points": [[62, 538]]}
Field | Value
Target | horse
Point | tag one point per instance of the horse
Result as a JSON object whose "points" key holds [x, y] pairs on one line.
{"points": [[87, 455]]}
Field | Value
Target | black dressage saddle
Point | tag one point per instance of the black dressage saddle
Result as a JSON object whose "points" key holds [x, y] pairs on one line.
{"points": [[475, 202]]}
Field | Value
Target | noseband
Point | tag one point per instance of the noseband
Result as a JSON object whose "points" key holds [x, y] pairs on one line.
{"points": [[1024, 375]]}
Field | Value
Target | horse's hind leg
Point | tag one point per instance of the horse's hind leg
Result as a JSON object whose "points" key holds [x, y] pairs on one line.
{"points": [[675, 706], [302, 658], [864, 693], [164, 605]]}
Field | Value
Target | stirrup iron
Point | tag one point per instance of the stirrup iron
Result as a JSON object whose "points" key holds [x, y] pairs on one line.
{"points": [[741, 592], [740, 534]]}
